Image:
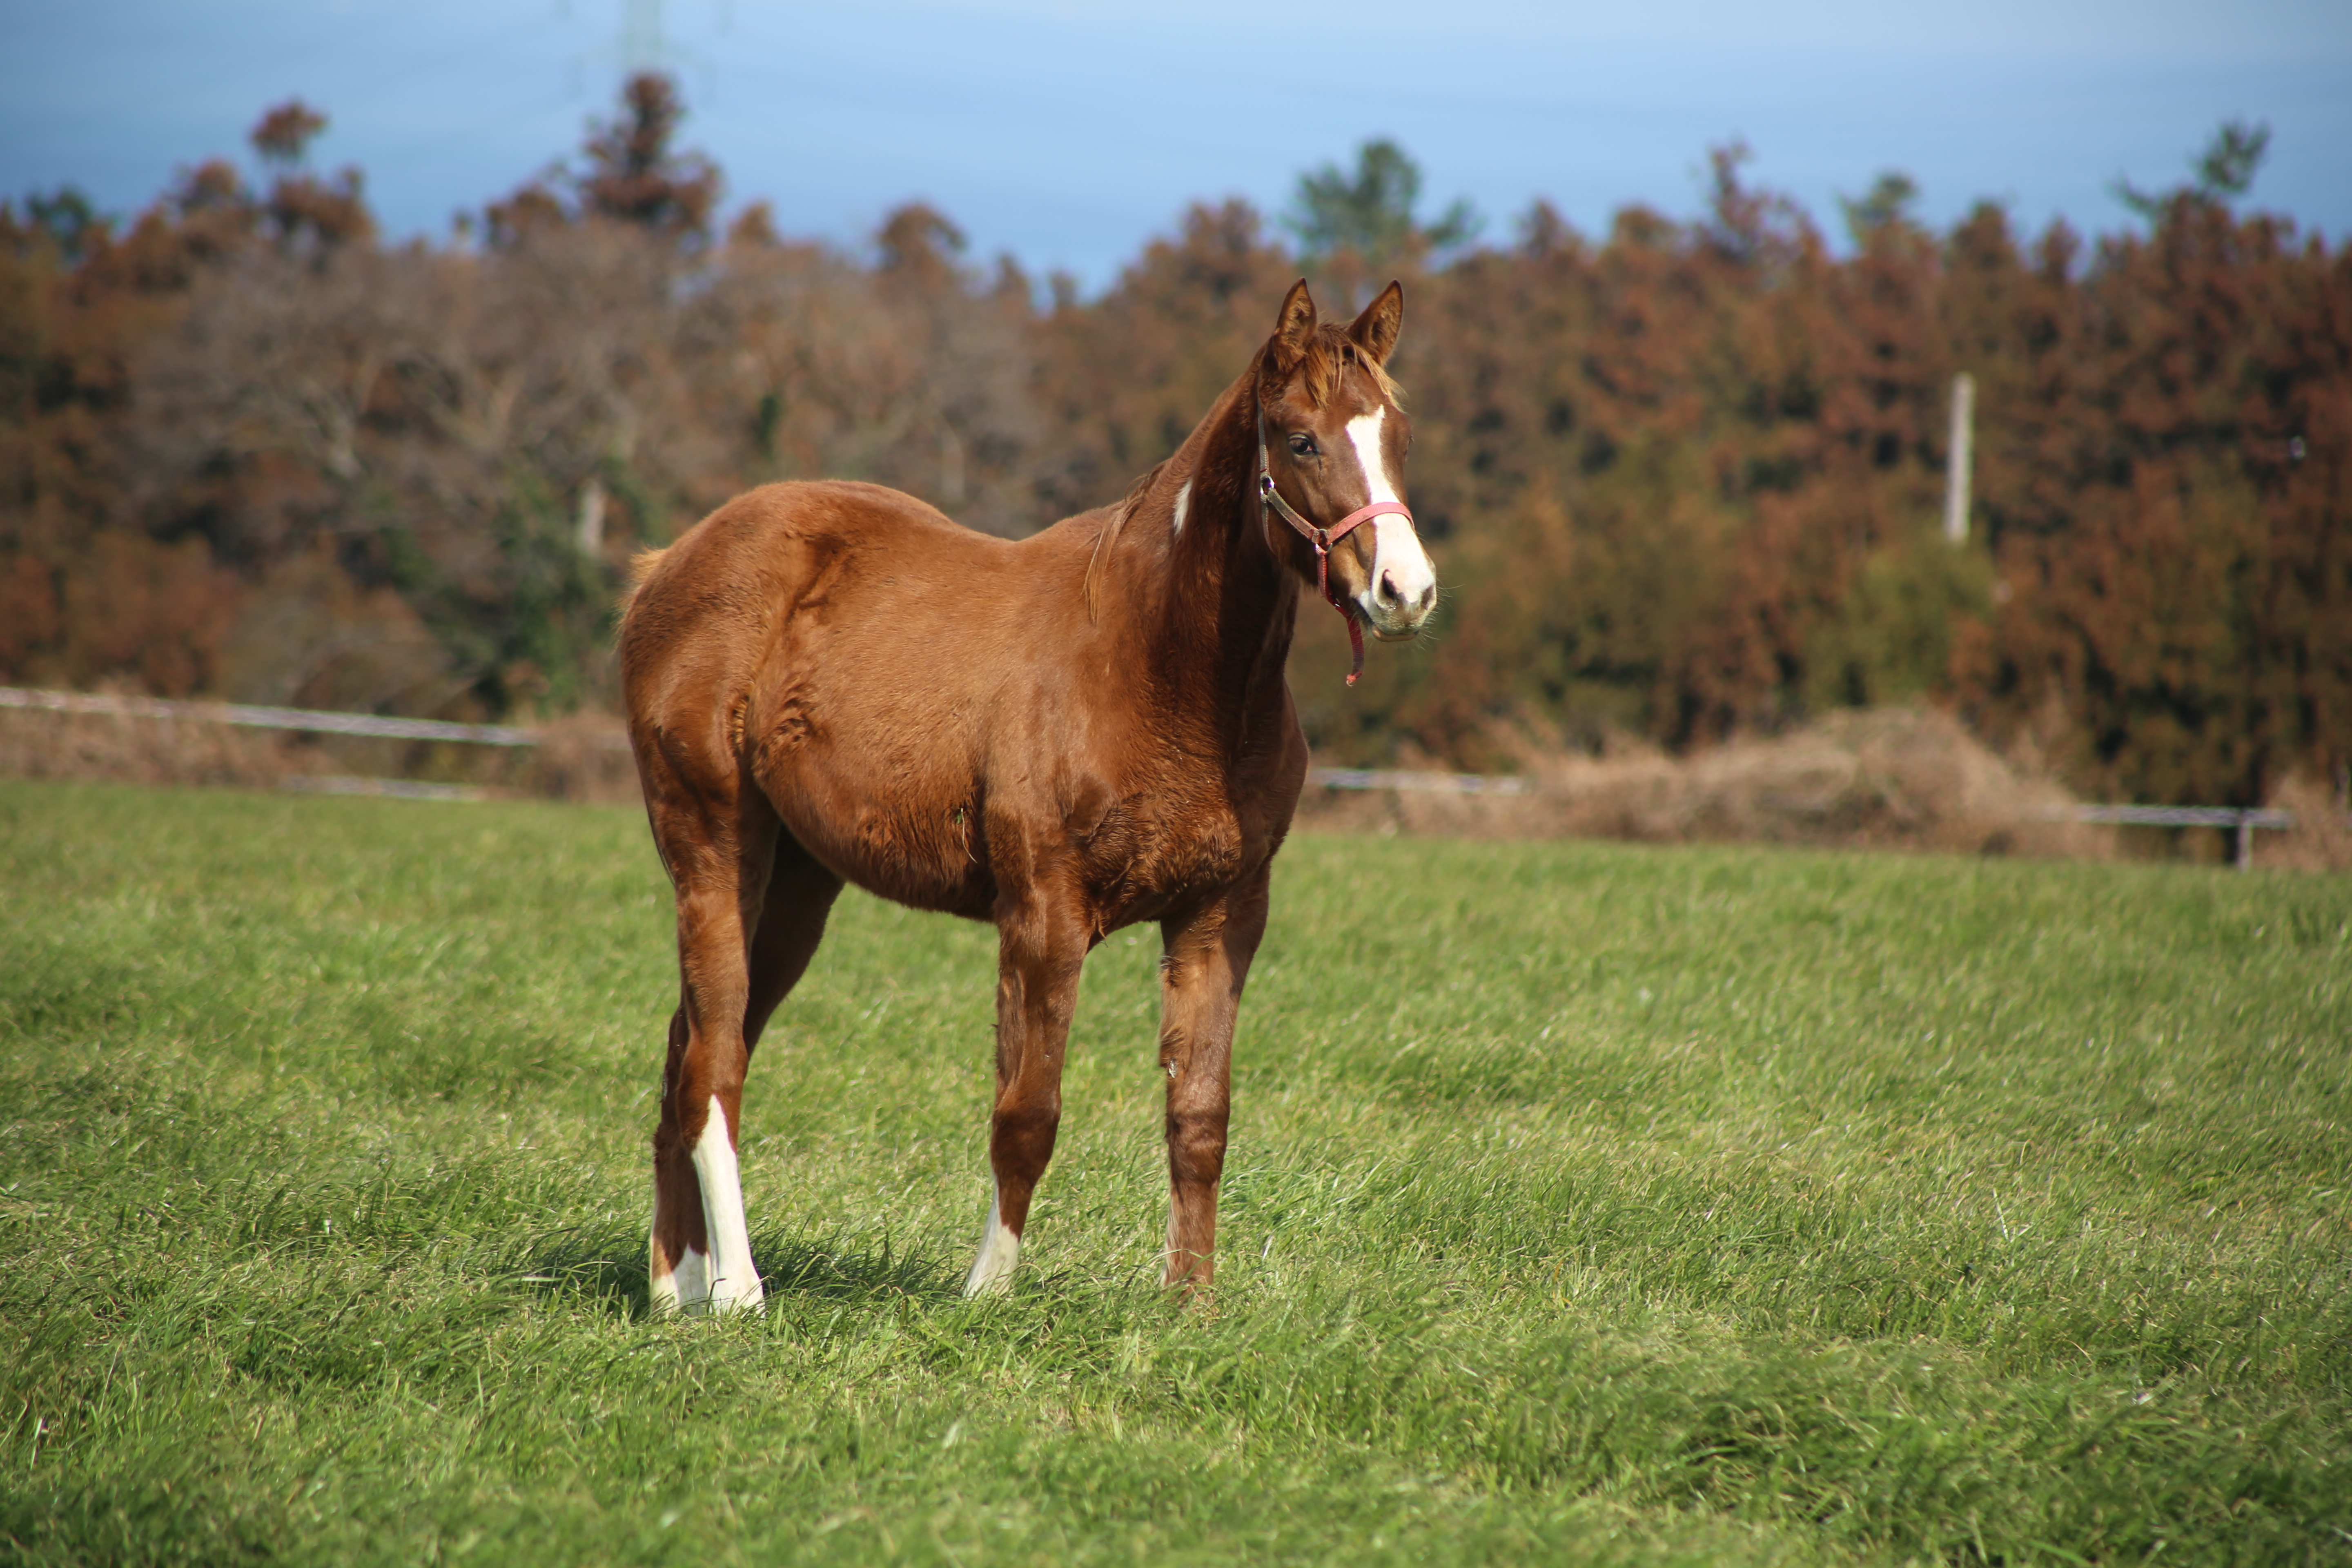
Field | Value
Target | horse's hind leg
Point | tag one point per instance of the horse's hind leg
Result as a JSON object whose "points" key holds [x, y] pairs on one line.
{"points": [[719, 843], [703, 1181], [800, 896]]}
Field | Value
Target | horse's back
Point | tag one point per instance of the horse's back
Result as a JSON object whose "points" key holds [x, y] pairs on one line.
{"points": [[853, 557], [732, 562]]}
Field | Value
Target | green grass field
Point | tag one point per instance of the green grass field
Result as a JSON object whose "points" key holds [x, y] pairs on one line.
{"points": [[1586, 1203]]}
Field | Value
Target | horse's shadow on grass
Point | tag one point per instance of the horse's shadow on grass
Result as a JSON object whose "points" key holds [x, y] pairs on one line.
{"points": [[608, 1270]]}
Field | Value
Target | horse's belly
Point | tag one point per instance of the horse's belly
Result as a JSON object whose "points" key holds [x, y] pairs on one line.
{"points": [[909, 852]]}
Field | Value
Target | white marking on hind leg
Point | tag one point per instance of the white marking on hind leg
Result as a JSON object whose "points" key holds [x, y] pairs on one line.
{"points": [[1000, 1249], [685, 1287], [733, 1284]]}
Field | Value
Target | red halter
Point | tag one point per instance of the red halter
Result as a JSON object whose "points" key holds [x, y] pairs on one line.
{"points": [[1323, 539]]}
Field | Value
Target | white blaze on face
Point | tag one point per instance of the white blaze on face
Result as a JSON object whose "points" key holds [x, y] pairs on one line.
{"points": [[1183, 498], [1398, 559], [733, 1284], [1000, 1249]]}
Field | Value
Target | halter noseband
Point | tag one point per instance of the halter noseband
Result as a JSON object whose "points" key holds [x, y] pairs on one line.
{"points": [[1323, 539]]}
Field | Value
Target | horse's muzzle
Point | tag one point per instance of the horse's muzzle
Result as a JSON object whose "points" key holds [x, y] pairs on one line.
{"points": [[1403, 589]]}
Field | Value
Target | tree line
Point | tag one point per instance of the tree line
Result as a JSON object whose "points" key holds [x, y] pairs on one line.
{"points": [[1682, 478]]}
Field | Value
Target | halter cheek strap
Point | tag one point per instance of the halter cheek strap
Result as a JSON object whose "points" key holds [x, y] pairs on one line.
{"points": [[1323, 539]]}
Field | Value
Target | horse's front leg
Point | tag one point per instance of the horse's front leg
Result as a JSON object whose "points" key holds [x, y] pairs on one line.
{"points": [[1205, 960], [1042, 947]]}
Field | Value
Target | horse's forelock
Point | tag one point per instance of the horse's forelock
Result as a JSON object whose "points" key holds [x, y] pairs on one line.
{"points": [[1324, 366]]}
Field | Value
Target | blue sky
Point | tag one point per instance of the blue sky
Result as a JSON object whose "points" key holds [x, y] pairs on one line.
{"points": [[1067, 134]]}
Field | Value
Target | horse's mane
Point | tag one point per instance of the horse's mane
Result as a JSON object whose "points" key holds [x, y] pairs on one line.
{"points": [[1125, 509]]}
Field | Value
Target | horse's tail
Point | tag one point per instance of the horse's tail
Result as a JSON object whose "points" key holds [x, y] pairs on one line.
{"points": [[641, 566]]}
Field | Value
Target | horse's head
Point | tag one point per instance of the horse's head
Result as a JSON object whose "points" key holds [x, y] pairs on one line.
{"points": [[1336, 439]]}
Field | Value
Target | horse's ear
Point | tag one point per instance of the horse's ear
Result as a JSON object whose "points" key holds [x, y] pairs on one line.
{"points": [[1375, 331], [1294, 328]]}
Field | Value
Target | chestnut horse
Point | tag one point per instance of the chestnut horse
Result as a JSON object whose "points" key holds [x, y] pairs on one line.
{"points": [[1062, 736]]}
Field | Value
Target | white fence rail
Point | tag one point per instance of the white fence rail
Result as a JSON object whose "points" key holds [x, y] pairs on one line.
{"points": [[311, 719], [304, 720], [1418, 783], [2242, 822]]}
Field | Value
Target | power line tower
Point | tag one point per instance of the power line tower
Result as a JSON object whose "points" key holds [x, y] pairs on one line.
{"points": [[642, 45]]}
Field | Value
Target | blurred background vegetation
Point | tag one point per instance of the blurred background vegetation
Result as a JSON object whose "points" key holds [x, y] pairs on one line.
{"points": [[1684, 480]]}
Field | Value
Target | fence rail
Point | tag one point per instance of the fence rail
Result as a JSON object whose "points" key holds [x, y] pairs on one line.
{"points": [[1417, 782], [2178, 816], [2242, 821], [310, 720]]}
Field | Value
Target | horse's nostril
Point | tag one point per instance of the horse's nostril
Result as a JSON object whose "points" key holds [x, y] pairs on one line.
{"points": [[1388, 590], [1428, 595]]}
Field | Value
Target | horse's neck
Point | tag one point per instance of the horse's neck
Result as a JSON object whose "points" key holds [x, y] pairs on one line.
{"points": [[1217, 609]]}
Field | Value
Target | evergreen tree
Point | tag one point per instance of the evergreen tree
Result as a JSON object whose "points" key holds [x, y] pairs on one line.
{"points": [[1369, 213]]}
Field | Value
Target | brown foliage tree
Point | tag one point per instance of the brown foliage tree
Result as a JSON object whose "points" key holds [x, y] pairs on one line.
{"points": [[1685, 476]]}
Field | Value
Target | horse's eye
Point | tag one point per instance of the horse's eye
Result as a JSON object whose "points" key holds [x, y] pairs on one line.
{"points": [[1303, 446]]}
